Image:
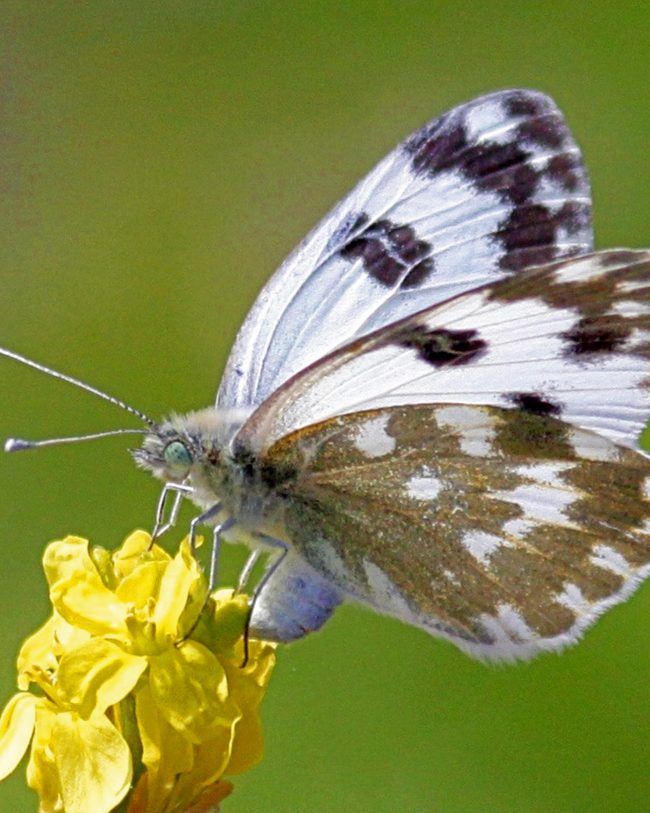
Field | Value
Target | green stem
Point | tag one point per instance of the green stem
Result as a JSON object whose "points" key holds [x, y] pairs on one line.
{"points": [[129, 727]]}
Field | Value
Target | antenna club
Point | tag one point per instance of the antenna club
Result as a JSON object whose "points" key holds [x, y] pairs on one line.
{"points": [[17, 445]]}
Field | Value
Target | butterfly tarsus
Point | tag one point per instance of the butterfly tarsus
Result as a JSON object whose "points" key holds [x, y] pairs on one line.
{"points": [[180, 490], [245, 574]]}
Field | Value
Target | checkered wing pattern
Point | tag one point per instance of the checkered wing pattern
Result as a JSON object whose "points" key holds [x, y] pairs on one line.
{"points": [[485, 190]]}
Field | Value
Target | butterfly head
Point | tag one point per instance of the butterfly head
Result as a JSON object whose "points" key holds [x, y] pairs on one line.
{"points": [[182, 447]]}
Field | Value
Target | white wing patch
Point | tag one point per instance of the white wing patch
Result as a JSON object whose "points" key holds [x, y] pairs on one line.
{"points": [[473, 427], [590, 447], [482, 545], [542, 504], [372, 438], [609, 558], [424, 486], [508, 626], [547, 472]]}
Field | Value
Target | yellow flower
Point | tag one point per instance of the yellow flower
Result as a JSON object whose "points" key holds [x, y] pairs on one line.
{"points": [[133, 691]]}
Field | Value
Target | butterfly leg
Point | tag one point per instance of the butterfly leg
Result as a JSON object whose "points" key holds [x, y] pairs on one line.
{"points": [[278, 544], [214, 556], [245, 574], [179, 490], [200, 520], [271, 569]]}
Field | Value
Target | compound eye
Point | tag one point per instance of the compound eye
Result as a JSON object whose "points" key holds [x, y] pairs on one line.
{"points": [[177, 454]]}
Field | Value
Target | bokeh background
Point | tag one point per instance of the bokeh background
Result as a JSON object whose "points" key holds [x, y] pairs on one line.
{"points": [[157, 161]]}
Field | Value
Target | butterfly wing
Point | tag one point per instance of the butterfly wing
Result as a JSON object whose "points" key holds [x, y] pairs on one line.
{"points": [[477, 194], [507, 535], [570, 339]]}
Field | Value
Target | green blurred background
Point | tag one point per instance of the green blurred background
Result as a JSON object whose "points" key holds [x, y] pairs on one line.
{"points": [[158, 160]]}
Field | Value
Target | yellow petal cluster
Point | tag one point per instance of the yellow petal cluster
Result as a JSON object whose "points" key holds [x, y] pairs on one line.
{"points": [[133, 693]]}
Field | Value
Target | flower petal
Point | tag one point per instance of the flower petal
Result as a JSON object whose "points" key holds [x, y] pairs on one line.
{"points": [[93, 761], [142, 583], [228, 622], [97, 675], [16, 729], [248, 742], [180, 576], [210, 761], [135, 549], [190, 688], [247, 686], [64, 557], [42, 774], [165, 752], [37, 653], [84, 601]]}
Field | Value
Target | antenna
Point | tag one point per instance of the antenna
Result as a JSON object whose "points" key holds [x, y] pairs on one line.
{"points": [[16, 444], [20, 445]]}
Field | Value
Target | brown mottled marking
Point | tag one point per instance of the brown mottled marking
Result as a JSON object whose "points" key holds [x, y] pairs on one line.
{"points": [[596, 334], [358, 510], [519, 433]]}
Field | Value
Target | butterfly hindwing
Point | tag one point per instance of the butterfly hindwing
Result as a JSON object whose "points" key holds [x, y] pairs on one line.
{"points": [[475, 195], [570, 340], [506, 532]]}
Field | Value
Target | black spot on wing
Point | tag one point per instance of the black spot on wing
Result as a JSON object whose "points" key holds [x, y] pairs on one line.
{"points": [[418, 274], [536, 151], [495, 167], [521, 103], [544, 130], [531, 233], [527, 236], [503, 168], [535, 403], [391, 253], [441, 347], [349, 227], [604, 333], [438, 146], [566, 169]]}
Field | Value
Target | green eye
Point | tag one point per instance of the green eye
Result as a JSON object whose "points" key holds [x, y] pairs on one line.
{"points": [[177, 454]]}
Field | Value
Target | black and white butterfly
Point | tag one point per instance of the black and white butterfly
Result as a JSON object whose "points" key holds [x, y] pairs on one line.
{"points": [[434, 406]]}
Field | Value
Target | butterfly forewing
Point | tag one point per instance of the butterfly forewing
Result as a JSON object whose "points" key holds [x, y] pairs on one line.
{"points": [[475, 195], [507, 533], [570, 340]]}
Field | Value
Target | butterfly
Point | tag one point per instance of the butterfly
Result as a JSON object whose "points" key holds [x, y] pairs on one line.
{"points": [[433, 407]]}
